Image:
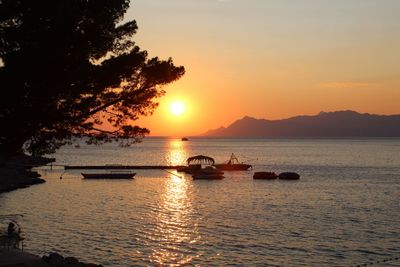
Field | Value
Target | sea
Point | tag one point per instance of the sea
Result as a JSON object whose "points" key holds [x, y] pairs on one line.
{"points": [[344, 210]]}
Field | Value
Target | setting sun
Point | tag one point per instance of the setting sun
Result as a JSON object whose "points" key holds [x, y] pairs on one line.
{"points": [[177, 108]]}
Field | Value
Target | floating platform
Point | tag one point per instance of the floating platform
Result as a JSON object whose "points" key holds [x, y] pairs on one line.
{"points": [[122, 167]]}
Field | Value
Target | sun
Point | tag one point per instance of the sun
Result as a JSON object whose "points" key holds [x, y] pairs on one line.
{"points": [[177, 108]]}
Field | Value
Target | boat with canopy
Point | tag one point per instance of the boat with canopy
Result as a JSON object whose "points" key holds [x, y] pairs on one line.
{"points": [[207, 173]]}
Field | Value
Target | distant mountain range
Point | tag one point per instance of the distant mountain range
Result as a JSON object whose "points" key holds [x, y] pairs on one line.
{"points": [[325, 124]]}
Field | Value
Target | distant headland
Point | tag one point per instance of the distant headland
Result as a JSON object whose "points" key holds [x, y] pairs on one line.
{"points": [[337, 124]]}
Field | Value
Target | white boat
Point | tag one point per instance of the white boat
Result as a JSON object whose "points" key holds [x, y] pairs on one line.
{"points": [[208, 173]]}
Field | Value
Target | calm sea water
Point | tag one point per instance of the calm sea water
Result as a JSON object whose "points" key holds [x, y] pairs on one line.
{"points": [[344, 211]]}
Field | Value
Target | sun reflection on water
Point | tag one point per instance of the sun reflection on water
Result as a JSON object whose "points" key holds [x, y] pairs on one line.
{"points": [[175, 223], [176, 154]]}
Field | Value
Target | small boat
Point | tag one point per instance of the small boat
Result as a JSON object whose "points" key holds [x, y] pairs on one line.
{"points": [[208, 177], [189, 169], [194, 164], [233, 164], [289, 176], [111, 175], [185, 139], [208, 173], [265, 175]]}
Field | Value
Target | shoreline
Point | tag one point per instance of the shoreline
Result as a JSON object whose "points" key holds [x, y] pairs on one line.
{"points": [[16, 173], [13, 177], [16, 257]]}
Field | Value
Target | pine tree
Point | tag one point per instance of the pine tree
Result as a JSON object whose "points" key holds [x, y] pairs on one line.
{"points": [[67, 67]]}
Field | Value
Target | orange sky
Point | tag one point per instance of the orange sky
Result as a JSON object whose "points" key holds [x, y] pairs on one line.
{"points": [[271, 59]]}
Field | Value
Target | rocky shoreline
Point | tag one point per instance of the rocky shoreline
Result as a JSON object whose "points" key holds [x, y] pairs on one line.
{"points": [[17, 173], [23, 181], [56, 260], [16, 257]]}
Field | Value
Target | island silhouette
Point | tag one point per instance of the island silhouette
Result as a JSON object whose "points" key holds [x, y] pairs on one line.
{"points": [[337, 124]]}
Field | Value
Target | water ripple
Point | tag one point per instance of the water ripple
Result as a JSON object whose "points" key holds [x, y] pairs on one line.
{"points": [[338, 214]]}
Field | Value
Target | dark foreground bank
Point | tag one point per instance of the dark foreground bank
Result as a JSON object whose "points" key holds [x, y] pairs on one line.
{"points": [[14, 257], [56, 260], [17, 172]]}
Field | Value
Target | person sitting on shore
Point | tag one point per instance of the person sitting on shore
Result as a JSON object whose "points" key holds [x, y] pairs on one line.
{"points": [[11, 230], [13, 234]]}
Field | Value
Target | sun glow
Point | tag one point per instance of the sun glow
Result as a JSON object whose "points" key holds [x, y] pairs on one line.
{"points": [[177, 108]]}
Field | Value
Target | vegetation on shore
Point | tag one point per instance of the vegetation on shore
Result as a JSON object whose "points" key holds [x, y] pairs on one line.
{"points": [[68, 67]]}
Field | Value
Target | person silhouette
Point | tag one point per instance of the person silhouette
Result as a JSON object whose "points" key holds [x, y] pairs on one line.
{"points": [[11, 230], [13, 234]]}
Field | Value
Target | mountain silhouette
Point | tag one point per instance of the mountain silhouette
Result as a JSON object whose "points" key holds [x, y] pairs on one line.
{"points": [[325, 124]]}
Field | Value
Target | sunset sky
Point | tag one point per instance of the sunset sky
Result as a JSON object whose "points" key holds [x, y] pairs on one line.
{"points": [[271, 59]]}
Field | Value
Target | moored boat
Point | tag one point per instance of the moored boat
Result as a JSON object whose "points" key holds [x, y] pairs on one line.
{"points": [[208, 173], [289, 176], [189, 169], [265, 175], [112, 175], [233, 164], [195, 163], [203, 176]]}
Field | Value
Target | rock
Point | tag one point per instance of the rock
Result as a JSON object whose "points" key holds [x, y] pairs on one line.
{"points": [[32, 174], [56, 260], [14, 175], [93, 265], [71, 260]]}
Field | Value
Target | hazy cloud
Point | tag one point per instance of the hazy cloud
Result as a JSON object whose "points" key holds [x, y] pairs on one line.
{"points": [[349, 85]]}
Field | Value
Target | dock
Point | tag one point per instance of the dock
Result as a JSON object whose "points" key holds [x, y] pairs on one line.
{"points": [[123, 167]]}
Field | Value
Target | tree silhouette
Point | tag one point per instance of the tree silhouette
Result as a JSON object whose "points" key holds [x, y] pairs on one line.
{"points": [[66, 67]]}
